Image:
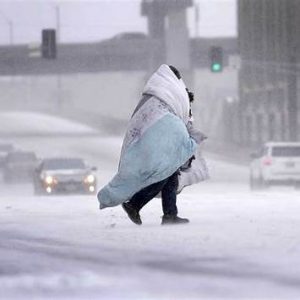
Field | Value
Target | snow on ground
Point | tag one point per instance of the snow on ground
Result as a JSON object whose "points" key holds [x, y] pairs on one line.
{"points": [[239, 244]]}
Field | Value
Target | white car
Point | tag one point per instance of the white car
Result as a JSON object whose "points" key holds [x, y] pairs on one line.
{"points": [[275, 163]]}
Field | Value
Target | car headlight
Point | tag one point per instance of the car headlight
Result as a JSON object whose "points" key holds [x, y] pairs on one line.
{"points": [[90, 179], [49, 180]]}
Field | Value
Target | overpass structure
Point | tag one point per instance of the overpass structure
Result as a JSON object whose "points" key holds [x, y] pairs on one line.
{"points": [[167, 27], [105, 56], [156, 12]]}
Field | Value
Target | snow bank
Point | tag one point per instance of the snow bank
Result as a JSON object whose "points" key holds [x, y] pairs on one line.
{"points": [[33, 123]]}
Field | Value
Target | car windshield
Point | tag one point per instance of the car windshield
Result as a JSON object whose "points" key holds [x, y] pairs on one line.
{"points": [[59, 164], [21, 157], [286, 151]]}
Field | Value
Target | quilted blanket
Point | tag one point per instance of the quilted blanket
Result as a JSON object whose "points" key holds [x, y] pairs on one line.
{"points": [[157, 141]]}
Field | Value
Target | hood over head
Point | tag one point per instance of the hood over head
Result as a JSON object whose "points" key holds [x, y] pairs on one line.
{"points": [[164, 85]]}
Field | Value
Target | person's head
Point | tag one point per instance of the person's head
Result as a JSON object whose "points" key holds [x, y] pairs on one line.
{"points": [[167, 85], [178, 75]]}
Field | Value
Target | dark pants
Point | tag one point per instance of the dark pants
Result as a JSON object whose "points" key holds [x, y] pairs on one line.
{"points": [[167, 187]]}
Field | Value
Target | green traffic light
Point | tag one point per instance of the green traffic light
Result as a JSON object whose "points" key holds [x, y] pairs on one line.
{"points": [[216, 67]]}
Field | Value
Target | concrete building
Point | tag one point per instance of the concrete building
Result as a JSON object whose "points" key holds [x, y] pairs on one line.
{"points": [[268, 79]]}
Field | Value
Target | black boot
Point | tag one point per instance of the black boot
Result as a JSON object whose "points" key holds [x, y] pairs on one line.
{"points": [[132, 213], [173, 219]]}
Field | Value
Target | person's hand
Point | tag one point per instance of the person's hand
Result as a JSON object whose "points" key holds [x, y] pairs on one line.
{"points": [[196, 134]]}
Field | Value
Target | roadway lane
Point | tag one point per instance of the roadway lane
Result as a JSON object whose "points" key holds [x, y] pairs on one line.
{"points": [[238, 245]]}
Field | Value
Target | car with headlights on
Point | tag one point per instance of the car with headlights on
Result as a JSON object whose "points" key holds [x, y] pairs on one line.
{"points": [[276, 163], [64, 175]]}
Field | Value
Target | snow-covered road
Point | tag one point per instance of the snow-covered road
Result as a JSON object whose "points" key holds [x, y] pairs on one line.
{"points": [[239, 244]]}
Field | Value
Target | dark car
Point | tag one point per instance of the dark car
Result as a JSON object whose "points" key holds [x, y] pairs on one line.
{"points": [[5, 148], [126, 39], [129, 36], [64, 175], [19, 166]]}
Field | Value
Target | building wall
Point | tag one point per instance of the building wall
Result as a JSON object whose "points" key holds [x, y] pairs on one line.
{"points": [[267, 41]]}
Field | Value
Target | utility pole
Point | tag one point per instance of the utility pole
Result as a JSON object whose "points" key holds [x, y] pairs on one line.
{"points": [[197, 18], [11, 32], [58, 75], [292, 77], [10, 28], [57, 17]]}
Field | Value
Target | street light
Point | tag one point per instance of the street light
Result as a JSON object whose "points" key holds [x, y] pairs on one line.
{"points": [[10, 28]]}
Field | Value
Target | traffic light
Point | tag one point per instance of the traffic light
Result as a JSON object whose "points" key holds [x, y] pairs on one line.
{"points": [[216, 59], [49, 43]]}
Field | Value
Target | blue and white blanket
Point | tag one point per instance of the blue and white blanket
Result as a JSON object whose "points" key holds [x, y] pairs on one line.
{"points": [[157, 141]]}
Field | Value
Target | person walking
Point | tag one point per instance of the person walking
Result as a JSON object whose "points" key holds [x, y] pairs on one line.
{"points": [[159, 145]]}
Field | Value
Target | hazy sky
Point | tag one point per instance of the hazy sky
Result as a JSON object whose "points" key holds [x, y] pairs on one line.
{"points": [[82, 20]]}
